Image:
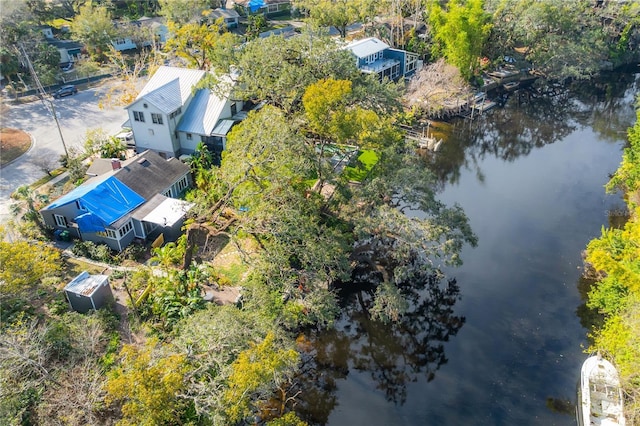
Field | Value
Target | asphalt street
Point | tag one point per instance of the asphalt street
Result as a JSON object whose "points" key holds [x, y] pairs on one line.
{"points": [[76, 114]]}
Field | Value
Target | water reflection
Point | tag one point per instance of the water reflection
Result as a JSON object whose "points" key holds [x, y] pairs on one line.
{"points": [[533, 119], [393, 354]]}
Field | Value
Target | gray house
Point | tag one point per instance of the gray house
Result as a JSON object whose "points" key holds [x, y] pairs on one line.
{"points": [[86, 292], [137, 199]]}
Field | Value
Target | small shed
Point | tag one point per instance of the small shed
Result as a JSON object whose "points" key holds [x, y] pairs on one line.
{"points": [[86, 292]]}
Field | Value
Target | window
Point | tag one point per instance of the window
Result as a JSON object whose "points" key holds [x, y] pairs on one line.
{"points": [[61, 221], [167, 193], [108, 233], [188, 136], [156, 118], [138, 116], [182, 183], [234, 109], [272, 8], [175, 113], [125, 229]]}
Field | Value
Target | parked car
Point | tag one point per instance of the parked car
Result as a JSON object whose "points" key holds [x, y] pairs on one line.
{"points": [[126, 137], [65, 91]]}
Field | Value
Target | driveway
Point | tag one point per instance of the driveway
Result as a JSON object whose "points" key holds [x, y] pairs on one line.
{"points": [[76, 115]]}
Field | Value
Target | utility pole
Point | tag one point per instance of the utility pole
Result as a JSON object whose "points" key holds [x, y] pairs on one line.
{"points": [[48, 103]]}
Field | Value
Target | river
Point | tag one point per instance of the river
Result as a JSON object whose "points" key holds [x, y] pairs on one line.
{"points": [[500, 340]]}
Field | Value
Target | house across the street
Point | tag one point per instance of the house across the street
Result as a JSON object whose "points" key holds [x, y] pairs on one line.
{"points": [[137, 198], [374, 56]]}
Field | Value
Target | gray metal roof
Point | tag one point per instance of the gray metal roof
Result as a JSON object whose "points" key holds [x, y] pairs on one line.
{"points": [[225, 13], [170, 86], [366, 46], [222, 128], [167, 98], [86, 284]]}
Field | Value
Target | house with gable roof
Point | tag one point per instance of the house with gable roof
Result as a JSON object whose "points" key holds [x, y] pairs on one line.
{"points": [[136, 199], [171, 118], [373, 56]]}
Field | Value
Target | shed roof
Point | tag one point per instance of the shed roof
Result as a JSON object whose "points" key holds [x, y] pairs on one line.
{"points": [[86, 284], [366, 46], [168, 212]]}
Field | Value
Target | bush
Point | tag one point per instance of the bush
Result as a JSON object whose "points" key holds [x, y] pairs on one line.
{"points": [[100, 252], [133, 252]]}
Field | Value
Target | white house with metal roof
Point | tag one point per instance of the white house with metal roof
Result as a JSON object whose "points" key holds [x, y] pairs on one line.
{"points": [[171, 118]]}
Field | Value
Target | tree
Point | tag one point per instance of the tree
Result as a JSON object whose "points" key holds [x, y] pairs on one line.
{"points": [[97, 141], [93, 26], [148, 385], [23, 264], [279, 70], [337, 13], [435, 86], [213, 338], [205, 46], [561, 40], [182, 11], [256, 374], [460, 33]]}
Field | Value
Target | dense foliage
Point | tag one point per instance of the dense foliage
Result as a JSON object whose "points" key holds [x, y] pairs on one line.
{"points": [[616, 257]]}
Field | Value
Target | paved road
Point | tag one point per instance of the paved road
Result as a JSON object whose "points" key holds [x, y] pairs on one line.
{"points": [[76, 115]]}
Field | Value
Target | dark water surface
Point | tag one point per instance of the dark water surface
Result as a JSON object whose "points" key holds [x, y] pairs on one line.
{"points": [[503, 346]]}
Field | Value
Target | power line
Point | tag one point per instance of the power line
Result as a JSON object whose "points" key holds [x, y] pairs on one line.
{"points": [[44, 97]]}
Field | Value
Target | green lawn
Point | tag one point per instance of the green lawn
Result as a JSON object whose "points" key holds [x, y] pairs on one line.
{"points": [[366, 160]]}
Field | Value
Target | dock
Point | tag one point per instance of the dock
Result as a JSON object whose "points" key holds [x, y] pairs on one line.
{"points": [[422, 138]]}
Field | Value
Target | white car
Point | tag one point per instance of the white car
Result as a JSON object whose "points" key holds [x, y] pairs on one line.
{"points": [[126, 136]]}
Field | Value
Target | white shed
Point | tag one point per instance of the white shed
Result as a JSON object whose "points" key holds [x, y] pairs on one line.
{"points": [[86, 292]]}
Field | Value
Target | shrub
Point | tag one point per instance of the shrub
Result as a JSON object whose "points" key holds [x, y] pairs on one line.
{"points": [[100, 252]]}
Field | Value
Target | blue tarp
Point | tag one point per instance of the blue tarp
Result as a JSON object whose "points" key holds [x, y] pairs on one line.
{"points": [[104, 202], [254, 5]]}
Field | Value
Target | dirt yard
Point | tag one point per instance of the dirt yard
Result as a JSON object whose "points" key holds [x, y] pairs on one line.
{"points": [[13, 143]]}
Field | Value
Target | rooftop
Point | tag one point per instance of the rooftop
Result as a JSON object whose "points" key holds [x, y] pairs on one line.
{"points": [[366, 46], [85, 284]]}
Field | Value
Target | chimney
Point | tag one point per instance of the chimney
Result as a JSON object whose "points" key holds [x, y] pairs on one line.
{"points": [[115, 164]]}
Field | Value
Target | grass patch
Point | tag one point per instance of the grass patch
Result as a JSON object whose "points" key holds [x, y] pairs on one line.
{"points": [[367, 159], [47, 178], [13, 143], [73, 267]]}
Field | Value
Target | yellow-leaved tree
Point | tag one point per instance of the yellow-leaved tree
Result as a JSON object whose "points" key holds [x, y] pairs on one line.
{"points": [[23, 264], [260, 381], [147, 385]]}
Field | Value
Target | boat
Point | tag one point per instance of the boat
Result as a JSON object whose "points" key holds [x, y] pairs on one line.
{"points": [[430, 143], [600, 395]]}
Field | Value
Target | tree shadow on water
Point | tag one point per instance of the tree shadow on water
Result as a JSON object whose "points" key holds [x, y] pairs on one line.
{"points": [[393, 354]]}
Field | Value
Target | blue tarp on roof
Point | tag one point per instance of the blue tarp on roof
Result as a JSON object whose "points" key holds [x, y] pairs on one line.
{"points": [[104, 202], [254, 5]]}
